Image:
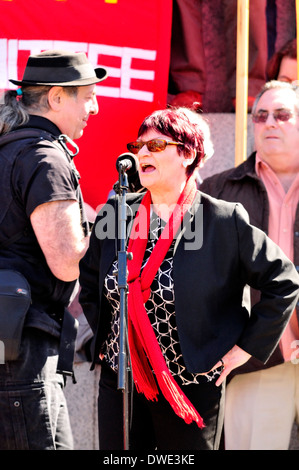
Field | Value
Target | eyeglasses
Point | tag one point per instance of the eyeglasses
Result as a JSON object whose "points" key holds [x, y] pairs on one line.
{"points": [[154, 145], [281, 115]]}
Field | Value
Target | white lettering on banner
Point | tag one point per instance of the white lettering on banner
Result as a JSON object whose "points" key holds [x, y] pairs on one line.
{"points": [[125, 72], [9, 49], [3, 63]]}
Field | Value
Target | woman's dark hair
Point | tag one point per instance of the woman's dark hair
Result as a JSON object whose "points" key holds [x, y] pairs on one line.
{"points": [[273, 66], [182, 125]]}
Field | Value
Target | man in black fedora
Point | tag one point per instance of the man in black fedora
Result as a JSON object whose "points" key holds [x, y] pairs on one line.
{"points": [[43, 235]]}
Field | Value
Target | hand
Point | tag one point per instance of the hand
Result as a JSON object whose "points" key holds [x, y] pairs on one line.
{"points": [[234, 358]]}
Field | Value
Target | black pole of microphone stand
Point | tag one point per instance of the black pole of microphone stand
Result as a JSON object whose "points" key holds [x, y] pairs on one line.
{"points": [[123, 360]]}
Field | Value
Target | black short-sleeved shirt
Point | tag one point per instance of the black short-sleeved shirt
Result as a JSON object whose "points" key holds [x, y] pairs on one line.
{"points": [[42, 173]]}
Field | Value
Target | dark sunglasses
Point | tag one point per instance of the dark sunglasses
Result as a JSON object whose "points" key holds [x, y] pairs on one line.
{"points": [[154, 145], [282, 115]]}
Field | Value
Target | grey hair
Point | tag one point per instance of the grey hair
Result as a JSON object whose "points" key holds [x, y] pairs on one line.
{"points": [[275, 84], [15, 110]]}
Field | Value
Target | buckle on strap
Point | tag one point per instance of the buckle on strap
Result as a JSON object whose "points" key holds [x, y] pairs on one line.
{"points": [[63, 139]]}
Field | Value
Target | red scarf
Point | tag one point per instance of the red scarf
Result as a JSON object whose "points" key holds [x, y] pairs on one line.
{"points": [[144, 348]]}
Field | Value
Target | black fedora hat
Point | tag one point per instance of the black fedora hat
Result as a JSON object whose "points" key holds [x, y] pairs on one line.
{"points": [[61, 68]]}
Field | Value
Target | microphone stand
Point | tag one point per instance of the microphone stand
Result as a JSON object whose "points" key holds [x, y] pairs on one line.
{"points": [[121, 188]]}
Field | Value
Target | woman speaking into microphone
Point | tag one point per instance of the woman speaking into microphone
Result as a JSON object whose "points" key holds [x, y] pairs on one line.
{"points": [[189, 318]]}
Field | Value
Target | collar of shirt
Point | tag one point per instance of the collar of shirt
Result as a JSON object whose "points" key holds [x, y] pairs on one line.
{"points": [[40, 122], [272, 182], [282, 205], [282, 215]]}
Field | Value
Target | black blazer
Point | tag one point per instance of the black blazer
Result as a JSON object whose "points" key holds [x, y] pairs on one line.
{"points": [[217, 254]]}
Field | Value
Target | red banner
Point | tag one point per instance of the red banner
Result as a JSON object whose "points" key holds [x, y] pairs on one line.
{"points": [[131, 38]]}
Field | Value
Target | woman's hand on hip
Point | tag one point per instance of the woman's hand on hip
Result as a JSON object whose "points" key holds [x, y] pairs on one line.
{"points": [[234, 358]]}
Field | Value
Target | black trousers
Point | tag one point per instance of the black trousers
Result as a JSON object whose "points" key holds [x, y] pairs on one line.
{"points": [[154, 424]]}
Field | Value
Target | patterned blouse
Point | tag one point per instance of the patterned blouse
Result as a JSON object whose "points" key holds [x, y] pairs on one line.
{"points": [[160, 309]]}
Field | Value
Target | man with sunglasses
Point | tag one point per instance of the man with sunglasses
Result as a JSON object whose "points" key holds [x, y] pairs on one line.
{"points": [[262, 401]]}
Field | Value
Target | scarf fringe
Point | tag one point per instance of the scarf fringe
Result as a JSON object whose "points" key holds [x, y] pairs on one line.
{"points": [[178, 400], [142, 374]]}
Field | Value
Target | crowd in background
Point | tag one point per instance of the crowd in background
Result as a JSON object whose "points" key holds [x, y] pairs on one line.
{"points": [[203, 49]]}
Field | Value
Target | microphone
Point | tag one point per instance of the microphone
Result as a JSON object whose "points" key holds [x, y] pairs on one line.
{"points": [[127, 162]]}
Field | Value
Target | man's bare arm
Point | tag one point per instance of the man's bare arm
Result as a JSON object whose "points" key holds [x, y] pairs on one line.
{"points": [[57, 226]]}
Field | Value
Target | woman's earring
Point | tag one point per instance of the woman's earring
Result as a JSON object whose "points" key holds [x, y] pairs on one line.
{"points": [[185, 163]]}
